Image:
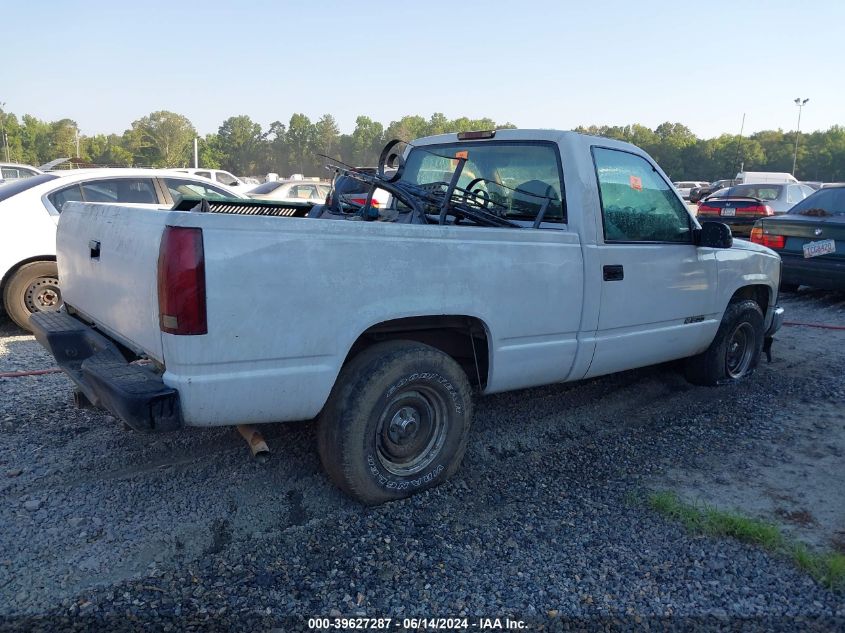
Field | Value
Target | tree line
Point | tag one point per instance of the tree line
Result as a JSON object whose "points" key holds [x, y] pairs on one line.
{"points": [[244, 147]]}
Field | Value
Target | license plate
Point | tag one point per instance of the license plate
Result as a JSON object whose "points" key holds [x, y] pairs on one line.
{"points": [[728, 212], [822, 247]]}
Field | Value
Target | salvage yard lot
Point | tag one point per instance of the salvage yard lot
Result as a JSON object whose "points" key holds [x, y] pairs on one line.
{"points": [[545, 519]]}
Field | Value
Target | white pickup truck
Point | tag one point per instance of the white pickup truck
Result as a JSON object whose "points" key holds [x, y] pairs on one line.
{"points": [[510, 259]]}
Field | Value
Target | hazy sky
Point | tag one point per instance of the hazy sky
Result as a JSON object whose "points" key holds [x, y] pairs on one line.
{"points": [[535, 64]]}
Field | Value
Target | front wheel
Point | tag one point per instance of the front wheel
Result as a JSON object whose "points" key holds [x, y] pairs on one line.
{"points": [[32, 288], [397, 422], [735, 350]]}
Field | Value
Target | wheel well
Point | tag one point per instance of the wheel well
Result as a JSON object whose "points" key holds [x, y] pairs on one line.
{"points": [[464, 338], [759, 293], [16, 267]]}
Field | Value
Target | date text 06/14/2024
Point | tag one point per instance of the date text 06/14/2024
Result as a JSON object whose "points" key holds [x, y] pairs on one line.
{"points": [[416, 624]]}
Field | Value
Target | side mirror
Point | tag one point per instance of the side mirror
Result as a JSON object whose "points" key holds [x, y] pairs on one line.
{"points": [[714, 235]]}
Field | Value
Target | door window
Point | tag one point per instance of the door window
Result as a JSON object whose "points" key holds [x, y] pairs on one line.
{"points": [[638, 205], [68, 194], [303, 191], [225, 178], [128, 190]]}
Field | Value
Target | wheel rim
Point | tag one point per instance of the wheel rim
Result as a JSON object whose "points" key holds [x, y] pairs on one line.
{"points": [[411, 431], [740, 350], [43, 295]]}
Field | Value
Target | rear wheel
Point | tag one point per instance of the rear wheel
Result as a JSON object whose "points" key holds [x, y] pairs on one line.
{"points": [[397, 422], [32, 288], [735, 350]]}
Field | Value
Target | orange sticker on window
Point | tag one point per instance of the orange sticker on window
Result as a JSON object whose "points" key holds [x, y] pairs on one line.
{"points": [[636, 183], [462, 154]]}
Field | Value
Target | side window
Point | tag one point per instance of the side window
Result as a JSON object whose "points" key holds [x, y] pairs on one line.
{"points": [[303, 191], [179, 188], [68, 194], [796, 193], [204, 174], [637, 204], [226, 179], [128, 190]]}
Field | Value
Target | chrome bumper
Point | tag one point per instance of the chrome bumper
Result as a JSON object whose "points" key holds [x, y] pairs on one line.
{"points": [[777, 321]]}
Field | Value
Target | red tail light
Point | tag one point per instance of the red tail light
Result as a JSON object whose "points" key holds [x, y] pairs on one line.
{"points": [[770, 241], [761, 209], [363, 201], [181, 282], [704, 209]]}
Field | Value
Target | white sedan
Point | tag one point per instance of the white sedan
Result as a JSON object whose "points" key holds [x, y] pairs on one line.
{"points": [[220, 177], [29, 213], [292, 191]]}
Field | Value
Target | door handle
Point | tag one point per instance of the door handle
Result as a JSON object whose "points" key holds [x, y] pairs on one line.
{"points": [[613, 273], [94, 247]]}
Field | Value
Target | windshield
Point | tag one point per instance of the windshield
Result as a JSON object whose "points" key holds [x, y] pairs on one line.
{"points": [[823, 202], [518, 175], [14, 187]]}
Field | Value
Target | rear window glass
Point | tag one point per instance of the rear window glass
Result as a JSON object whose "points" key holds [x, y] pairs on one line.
{"points": [[823, 202], [267, 187], [14, 187], [347, 184], [192, 188], [516, 174], [763, 192]]}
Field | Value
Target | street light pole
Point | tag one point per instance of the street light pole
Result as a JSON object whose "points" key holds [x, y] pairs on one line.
{"points": [[800, 103]]}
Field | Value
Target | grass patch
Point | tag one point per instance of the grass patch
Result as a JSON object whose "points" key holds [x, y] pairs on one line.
{"points": [[828, 568]]}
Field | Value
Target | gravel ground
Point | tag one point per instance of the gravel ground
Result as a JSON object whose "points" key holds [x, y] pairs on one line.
{"points": [[101, 526]]}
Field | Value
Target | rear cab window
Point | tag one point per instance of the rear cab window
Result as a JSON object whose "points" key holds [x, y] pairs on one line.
{"points": [[519, 175]]}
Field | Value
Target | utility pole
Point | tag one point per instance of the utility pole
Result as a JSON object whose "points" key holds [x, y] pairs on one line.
{"points": [[800, 103], [196, 153], [739, 143]]}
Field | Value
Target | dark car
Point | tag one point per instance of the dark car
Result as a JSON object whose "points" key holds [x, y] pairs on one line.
{"points": [[810, 240], [741, 206], [699, 193]]}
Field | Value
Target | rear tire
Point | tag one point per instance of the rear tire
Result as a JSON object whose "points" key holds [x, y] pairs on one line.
{"points": [[397, 422], [32, 288], [735, 350]]}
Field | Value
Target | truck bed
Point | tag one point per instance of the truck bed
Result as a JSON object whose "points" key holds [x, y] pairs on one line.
{"points": [[265, 273]]}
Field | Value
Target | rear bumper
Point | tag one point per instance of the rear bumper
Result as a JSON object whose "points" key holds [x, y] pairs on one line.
{"points": [[813, 271], [134, 393]]}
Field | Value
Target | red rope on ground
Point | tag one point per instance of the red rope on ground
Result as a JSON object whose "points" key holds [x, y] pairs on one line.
{"points": [[32, 372], [52, 370], [819, 325]]}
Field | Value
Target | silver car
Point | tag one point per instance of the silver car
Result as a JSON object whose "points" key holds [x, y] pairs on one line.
{"points": [[741, 206]]}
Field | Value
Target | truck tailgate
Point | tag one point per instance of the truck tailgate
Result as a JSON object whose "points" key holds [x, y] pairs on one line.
{"points": [[107, 258]]}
